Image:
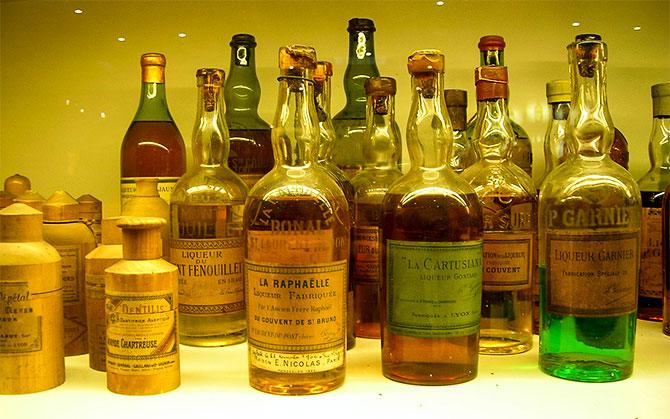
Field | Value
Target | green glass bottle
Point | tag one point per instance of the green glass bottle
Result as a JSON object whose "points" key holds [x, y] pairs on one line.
{"points": [[349, 123], [589, 225], [250, 136]]}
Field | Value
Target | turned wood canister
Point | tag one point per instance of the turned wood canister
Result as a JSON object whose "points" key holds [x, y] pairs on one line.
{"points": [[17, 184], [31, 198], [73, 240], [31, 305], [90, 213], [141, 312], [102, 257]]}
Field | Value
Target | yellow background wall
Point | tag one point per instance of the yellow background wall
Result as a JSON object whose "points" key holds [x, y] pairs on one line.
{"points": [[69, 89]]}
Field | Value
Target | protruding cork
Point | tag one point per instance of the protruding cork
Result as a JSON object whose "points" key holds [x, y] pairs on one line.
{"points": [[491, 82], [32, 199], [588, 47], [141, 237], [17, 184], [111, 233], [558, 91], [243, 39], [61, 206], [457, 102], [210, 77], [323, 71], [359, 24], [380, 86], [153, 67], [297, 61], [20, 223], [660, 95], [491, 43], [426, 61]]}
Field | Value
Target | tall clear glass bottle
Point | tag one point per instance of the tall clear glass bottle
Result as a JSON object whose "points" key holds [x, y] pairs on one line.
{"points": [[652, 187], [207, 242], [432, 244], [666, 261], [250, 145], [349, 123], [464, 154], [492, 52], [322, 74], [589, 230], [509, 208], [297, 250], [381, 150], [152, 146]]}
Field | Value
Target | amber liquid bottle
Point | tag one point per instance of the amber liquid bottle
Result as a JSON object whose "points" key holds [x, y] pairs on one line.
{"points": [[509, 206], [250, 145], [153, 146], [297, 250], [463, 153], [432, 244]]}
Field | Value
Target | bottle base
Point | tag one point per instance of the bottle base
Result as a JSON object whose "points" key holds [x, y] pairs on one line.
{"points": [[295, 384], [429, 374], [215, 340], [368, 330], [504, 342], [578, 367]]}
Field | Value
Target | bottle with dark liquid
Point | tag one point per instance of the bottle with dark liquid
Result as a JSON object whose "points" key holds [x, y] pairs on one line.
{"points": [[381, 150], [464, 155], [297, 250], [666, 261], [250, 144], [652, 186], [153, 146], [509, 207], [432, 244]]}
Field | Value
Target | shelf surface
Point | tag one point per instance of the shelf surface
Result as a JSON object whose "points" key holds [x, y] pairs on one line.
{"points": [[214, 383]]}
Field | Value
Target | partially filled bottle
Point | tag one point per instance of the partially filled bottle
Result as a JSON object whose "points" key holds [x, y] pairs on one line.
{"points": [[152, 146], [464, 154], [297, 250], [509, 209], [589, 234], [666, 262], [207, 242], [432, 244], [652, 187], [250, 145], [492, 52], [381, 149], [349, 123]]}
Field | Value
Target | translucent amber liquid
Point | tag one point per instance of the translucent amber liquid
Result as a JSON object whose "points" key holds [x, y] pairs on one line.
{"points": [[428, 361], [651, 307], [250, 154]]}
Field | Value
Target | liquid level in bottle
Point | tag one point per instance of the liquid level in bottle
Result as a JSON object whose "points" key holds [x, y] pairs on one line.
{"points": [[152, 149], [250, 154]]}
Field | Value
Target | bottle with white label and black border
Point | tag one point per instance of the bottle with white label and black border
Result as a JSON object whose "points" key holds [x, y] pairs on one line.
{"points": [[432, 243], [589, 239]]}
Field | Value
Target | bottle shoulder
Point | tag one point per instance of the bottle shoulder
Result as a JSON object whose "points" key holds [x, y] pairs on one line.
{"points": [[503, 179], [247, 121], [441, 184], [27, 253], [209, 186], [655, 180], [310, 182]]}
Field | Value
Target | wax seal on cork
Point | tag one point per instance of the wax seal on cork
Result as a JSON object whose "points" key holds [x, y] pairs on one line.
{"points": [[426, 61], [491, 43], [491, 82], [297, 60], [324, 70]]}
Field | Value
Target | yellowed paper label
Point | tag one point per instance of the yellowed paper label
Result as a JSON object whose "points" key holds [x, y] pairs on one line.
{"points": [[95, 286], [366, 245], [508, 261], [651, 262], [310, 247], [21, 317], [72, 273], [292, 363], [211, 275]]}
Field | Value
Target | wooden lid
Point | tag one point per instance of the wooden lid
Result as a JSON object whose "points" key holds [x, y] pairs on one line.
{"points": [[31, 198], [111, 232], [61, 206], [17, 184], [19, 223], [141, 237], [89, 205], [6, 199]]}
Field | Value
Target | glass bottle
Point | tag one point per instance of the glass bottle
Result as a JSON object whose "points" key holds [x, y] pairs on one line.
{"points": [[652, 187], [492, 52], [152, 146], [381, 150], [349, 123], [509, 209], [464, 155], [432, 248], [666, 260], [619, 151], [207, 242], [250, 145], [147, 202], [322, 74], [589, 234], [297, 250]]}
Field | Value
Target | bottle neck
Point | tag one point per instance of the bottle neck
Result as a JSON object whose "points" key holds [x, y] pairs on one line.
{"points": [[242, 92], [381, 148], [211, 141], [458, 117], [429, 135], [493, 134], [153, 103], [554, 142], [295, 131], [360, 67], [492, 57], [659, 142], [326, 129]]}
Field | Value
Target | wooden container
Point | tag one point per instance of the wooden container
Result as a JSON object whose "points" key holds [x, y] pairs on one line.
{"points": [[6, 199], [32, 199], [101, 258], [90, 213], [17, 184], [73, 240], [141, 312], [147, 203], [31, 305]]}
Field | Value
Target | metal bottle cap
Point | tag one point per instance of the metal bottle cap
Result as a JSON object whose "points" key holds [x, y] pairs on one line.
{"points": [[558, 91]]}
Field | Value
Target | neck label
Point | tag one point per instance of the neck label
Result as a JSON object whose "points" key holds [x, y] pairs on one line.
{"points": [[241, 56], [361, 50]]}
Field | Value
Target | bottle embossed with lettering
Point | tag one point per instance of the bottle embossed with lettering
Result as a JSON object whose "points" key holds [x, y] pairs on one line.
{"points": [[589, 234], [297, 250]]}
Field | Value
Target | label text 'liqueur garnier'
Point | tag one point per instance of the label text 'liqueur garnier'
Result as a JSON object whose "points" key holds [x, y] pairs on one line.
{"points": [[589, 218]]}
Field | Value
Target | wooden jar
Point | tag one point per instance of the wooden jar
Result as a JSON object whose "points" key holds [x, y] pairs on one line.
{"points": [[31, 305], [90, 213]]}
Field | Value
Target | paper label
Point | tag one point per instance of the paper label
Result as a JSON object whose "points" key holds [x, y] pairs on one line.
{"points": [[366, 256], [290, 247], [71, 269], [21, 317], [651, 262], [508, 261]]}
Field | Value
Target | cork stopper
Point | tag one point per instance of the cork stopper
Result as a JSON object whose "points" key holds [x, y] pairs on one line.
{"points": [[425, 61], [380, 86], [146, 186], [323, 71], [491, 43], [457, 103], [6, 199], [111, 233], [243, 39], [32, 199], [20, 223], [359, 24], [141, 237], [588, 48], [210, 77], [153, 67], [558, 91], [456, 97], [17, 184], [297, 61], [61, 206], [660, 95], [491, 82]]}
